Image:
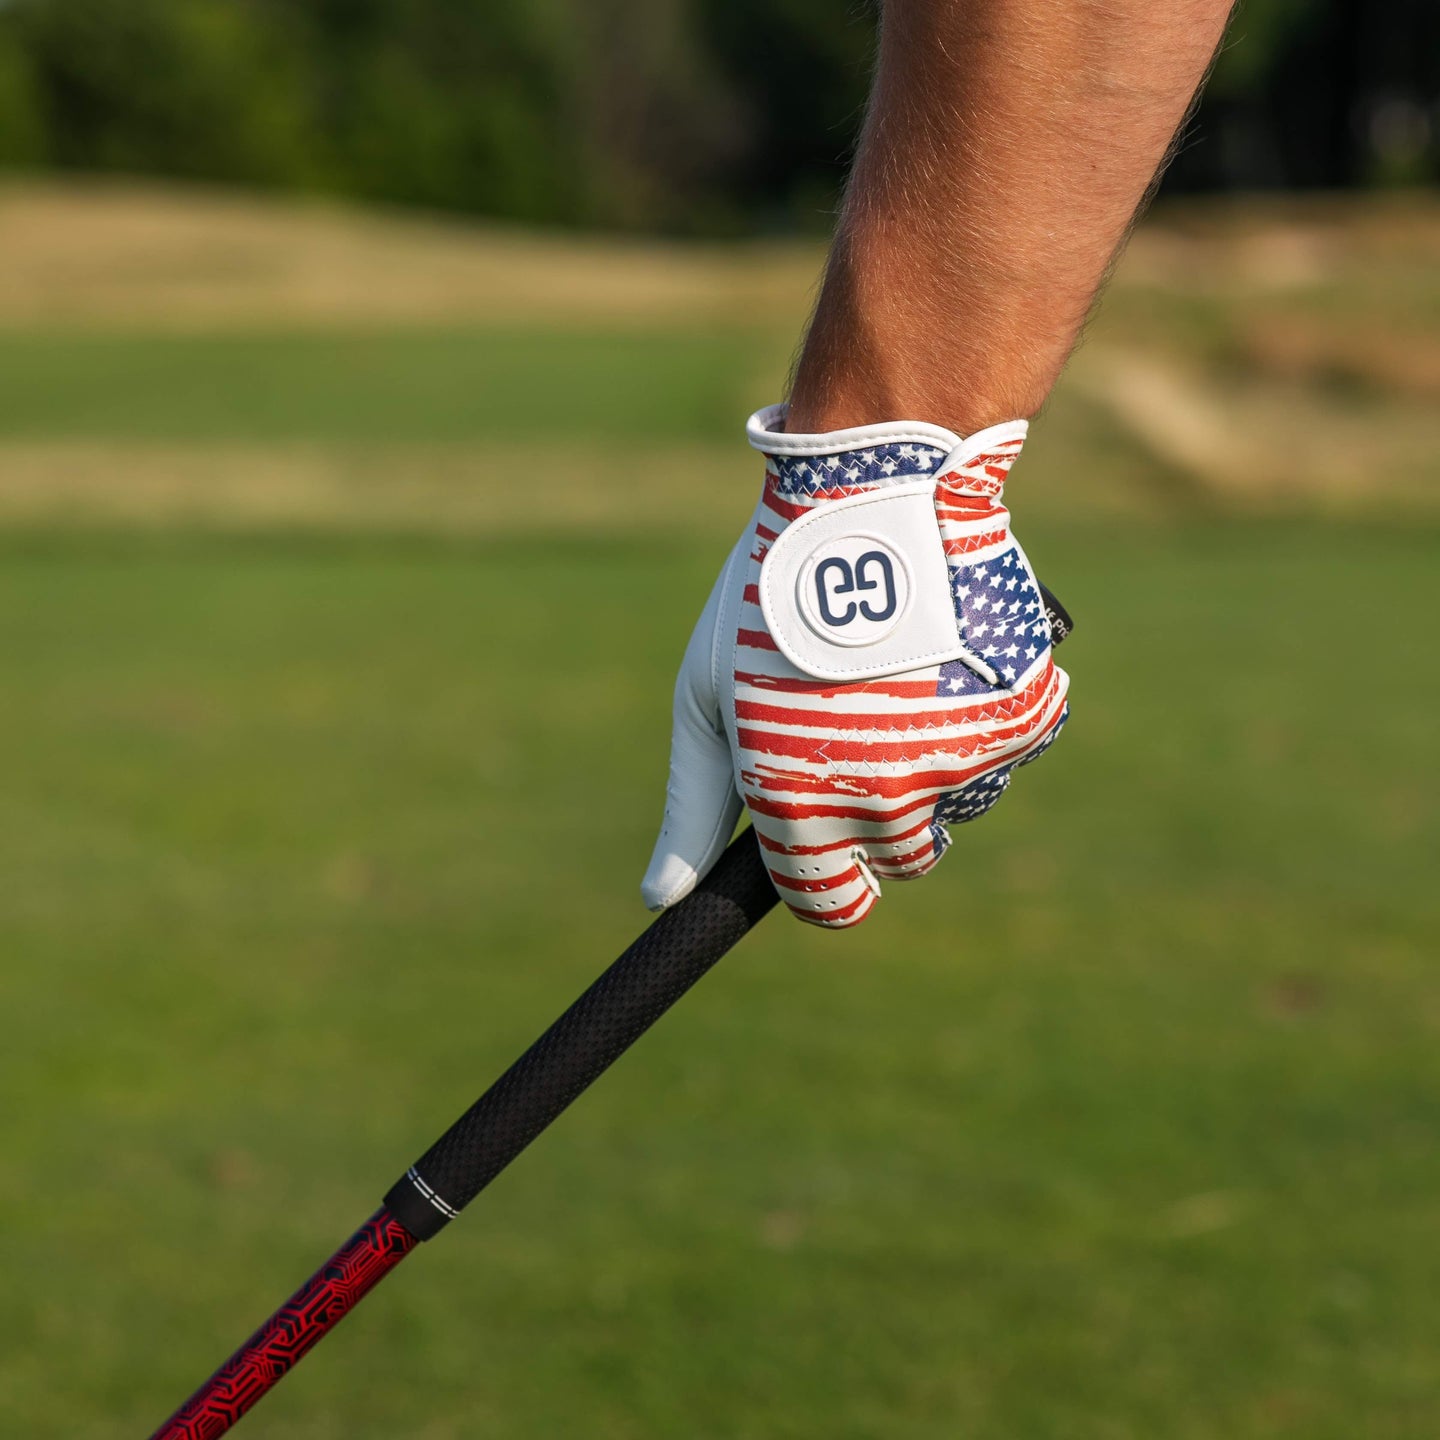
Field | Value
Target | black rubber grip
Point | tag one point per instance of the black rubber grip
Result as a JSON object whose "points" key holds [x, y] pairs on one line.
{"points": [[594, 1032]]}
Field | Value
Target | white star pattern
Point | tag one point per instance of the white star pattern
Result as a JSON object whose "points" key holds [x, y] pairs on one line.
{"points": [[986, 616], [875, 465]]}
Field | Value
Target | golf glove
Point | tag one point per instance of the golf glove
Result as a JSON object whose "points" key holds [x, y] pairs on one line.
{"points": [[872, 665]]}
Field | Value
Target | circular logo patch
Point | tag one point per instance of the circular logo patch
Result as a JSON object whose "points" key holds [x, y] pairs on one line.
{"points": [[854, 591]]}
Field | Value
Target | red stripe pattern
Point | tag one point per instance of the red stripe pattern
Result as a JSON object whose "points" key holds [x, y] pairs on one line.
{"points": [[848, 784]]}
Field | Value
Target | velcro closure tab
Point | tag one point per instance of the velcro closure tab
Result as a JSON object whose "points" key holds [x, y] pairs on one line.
{"points": [[860, 587]]}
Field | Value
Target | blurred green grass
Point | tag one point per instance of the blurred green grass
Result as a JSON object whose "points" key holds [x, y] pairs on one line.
{"points": [[429, 386], [1121, 1126]]}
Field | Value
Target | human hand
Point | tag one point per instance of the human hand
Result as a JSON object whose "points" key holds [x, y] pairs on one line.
{"points": [[873, 664]]}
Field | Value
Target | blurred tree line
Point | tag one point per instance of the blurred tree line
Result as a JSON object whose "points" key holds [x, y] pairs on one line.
{"points": [[696, 115]]}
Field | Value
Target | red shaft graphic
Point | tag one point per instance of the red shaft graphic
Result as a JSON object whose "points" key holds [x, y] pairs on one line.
{"points": [[360, 1264]]}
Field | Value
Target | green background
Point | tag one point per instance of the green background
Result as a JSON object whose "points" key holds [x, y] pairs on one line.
{"points": [[1122, 1125], [688, 116]]}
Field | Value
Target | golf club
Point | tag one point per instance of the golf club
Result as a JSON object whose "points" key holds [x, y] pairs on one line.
{"points": [[656, 970]]}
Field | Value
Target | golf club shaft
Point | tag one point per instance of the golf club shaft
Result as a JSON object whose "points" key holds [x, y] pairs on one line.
{"points": [[594, 1032], [294, 1329]]}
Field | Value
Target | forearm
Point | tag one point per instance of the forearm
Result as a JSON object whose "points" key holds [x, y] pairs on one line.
{"points": [[1006, 150]]}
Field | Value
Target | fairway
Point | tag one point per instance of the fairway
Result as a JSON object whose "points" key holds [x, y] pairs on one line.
{"points": [[428, 387], [1122, 1127]]}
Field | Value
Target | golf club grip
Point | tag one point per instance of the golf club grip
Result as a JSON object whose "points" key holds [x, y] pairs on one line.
{"points": [[596, 1030]]}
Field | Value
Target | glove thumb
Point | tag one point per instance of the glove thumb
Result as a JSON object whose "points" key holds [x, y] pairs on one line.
{"points": [[701, 804]]}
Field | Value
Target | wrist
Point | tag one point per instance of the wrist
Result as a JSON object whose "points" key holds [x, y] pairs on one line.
{"points": [[877, 349], [862, 401]]}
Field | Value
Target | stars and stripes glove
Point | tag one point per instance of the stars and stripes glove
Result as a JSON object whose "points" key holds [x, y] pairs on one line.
{"points": [[872, 665]]}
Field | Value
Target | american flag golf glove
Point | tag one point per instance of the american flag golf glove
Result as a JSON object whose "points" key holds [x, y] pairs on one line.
{"points": [[872, 665]]}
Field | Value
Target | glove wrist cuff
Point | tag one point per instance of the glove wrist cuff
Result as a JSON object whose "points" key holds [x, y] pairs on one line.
{"points": [[765, 432], [896, 452]]}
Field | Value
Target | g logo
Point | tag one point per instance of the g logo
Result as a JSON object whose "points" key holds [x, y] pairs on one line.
{"points": [[852, 579], [854, 591]]}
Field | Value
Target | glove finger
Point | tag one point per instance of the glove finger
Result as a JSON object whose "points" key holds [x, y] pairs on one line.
{"points": [[829, 885], [1050, 737], [911, 856], [974, 799], [701, 808], [701, 803], [980, 794]]}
